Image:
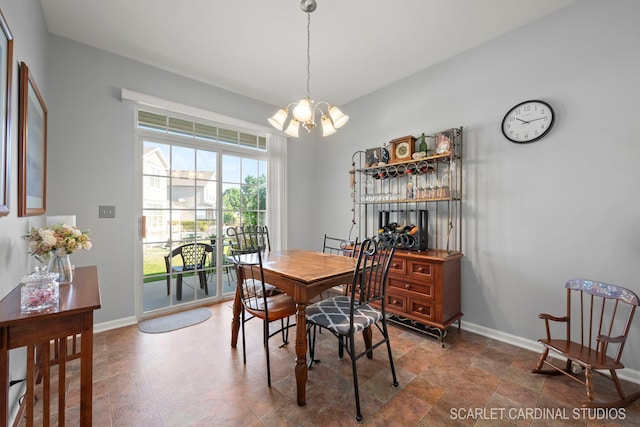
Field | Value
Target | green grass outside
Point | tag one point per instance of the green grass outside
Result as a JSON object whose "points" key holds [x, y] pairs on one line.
{"points": [[154, 264]]}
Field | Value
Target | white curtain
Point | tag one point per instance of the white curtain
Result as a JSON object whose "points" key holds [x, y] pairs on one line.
{"points": [[277, 190]]}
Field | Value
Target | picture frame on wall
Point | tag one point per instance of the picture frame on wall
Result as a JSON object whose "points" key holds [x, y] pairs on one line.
{"points": [[6, 67], [32, 162]]}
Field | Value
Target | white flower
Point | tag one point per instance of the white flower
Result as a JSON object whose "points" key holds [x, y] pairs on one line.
{"points": [[48, 237], [58, 240]]}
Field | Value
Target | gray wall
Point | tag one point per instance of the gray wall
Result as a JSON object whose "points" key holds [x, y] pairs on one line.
{"points": [[30, 41], [534, 215], [91, 144]]}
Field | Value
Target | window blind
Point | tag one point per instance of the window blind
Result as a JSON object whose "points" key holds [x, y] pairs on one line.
{"points": [[200, 130]]}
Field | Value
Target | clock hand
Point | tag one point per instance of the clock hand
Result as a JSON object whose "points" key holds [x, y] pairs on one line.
{"points": [[539, 118], [523, 121]]}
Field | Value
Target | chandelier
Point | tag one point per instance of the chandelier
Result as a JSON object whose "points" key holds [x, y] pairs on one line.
{"points": [[303, 112]]}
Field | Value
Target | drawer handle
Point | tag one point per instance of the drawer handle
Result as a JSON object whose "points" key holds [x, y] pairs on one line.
{"points": [[407, 286], [420, 309], [395, 265], [420, 269]]}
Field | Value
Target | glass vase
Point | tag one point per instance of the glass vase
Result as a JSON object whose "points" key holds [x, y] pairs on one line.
{"points": [[62, 266]]}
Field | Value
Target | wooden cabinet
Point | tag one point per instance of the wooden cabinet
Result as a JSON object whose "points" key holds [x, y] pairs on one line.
{"points": [[424, 288], [424, 281]]}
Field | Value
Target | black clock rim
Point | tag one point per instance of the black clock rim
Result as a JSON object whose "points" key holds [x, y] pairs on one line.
{"points": [[553, 118]]}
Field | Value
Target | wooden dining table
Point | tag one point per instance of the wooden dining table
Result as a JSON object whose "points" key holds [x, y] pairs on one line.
{"points": [[302, 275]]}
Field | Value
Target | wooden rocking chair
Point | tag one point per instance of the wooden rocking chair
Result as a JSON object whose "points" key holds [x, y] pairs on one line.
{"points": [[605, 315]]}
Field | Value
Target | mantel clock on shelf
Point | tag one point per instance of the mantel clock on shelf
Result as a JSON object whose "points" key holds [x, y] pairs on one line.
{"points": [[402, 148]]}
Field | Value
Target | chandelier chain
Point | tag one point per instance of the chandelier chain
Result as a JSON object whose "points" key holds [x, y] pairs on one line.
{"points": [[309, 55]]}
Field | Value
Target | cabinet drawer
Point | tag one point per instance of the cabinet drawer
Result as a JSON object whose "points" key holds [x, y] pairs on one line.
{"points": [[422, 309], [426, 290], [396, 303], [398, 266], [423, 270]]}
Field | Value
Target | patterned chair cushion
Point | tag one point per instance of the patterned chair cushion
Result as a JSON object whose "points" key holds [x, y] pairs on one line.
{"points": [[333, 314]]}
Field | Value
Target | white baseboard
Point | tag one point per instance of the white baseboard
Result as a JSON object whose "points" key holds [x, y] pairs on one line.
{"points": [[626, 373], [114, 324]]}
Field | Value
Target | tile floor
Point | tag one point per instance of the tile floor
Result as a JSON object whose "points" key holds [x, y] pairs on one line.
{"points": [[191, 377]]}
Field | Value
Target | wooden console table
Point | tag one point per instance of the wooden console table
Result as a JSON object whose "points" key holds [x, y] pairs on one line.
{"points": [[73, 317]]}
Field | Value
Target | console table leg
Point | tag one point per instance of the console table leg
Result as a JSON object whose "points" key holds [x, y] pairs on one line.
{"points": [[4, 375], [31, 375], [86, 370]]}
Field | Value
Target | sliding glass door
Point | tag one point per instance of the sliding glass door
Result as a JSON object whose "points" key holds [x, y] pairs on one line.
{"points": [[192, 191]]}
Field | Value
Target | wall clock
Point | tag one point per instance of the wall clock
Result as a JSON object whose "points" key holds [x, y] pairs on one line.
{"points": [[402, 148], [528, 121]]}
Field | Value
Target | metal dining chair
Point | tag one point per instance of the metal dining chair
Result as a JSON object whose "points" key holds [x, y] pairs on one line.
{"points": [[251, 237], [337, 246], [359, 310], [258, 297]]}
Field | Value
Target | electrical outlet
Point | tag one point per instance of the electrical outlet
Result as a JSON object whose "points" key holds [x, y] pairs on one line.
{"points": [[106, 211]]}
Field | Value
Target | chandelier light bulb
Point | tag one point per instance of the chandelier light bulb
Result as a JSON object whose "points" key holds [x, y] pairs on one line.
{"points": [[303, 112]]}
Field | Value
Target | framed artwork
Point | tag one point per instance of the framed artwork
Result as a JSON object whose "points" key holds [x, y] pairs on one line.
{"points": [[372, 157], [32, 137], [443, 142], [6, 67]]}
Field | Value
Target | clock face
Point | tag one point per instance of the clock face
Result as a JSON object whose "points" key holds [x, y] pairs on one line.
{"points": [[528, 121], [402, 150]]}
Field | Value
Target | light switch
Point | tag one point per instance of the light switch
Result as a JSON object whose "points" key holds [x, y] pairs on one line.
{"points": [[106, 211]]}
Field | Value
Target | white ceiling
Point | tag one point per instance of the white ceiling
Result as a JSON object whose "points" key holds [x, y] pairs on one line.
{"points": [[258, 47]]}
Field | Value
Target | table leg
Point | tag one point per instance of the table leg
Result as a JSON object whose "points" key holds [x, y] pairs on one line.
{"points": [[4, 375], [301, 353], [235, 322], [86, 369], [367, 335]]}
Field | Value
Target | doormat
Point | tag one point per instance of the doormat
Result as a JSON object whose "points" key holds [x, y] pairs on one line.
{"points": [[174, 321]]}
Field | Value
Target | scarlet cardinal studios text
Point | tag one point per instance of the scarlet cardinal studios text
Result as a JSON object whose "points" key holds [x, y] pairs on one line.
{"points": [[537, 414]]}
